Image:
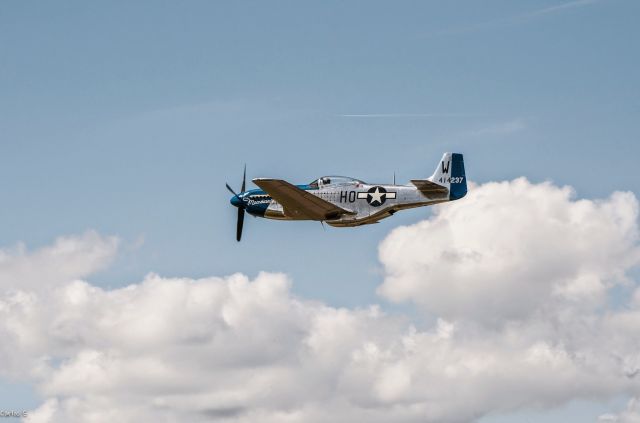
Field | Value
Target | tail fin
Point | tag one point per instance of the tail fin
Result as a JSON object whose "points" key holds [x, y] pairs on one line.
{"points": [[450, 173]]}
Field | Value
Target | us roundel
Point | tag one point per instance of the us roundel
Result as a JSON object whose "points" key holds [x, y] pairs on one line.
{"points": [[376, 196]]}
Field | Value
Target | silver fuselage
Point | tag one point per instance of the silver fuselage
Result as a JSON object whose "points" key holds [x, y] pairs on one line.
{"points": [[368, 207]]}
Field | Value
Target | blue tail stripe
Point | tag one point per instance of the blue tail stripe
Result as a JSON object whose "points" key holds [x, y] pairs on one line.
{"points": [[458, 187]]}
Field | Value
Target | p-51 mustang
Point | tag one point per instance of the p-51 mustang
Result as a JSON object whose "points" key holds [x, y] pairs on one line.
{"points": [[343, 201]]}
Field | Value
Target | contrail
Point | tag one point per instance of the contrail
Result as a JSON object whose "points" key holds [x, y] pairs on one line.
{"points": [[405, 115]]}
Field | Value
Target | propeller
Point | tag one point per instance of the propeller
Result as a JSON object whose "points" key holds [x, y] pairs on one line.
{"points": [[240, 204]]}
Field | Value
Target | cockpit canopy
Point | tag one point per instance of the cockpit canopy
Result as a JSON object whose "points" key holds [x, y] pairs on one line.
{"points": [[334, 180]]}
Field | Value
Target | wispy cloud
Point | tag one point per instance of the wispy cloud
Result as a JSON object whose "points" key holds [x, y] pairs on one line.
{"points": [[511, 20], [502, 128], [558, 8]]}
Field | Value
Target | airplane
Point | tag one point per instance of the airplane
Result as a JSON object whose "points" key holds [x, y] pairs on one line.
{"points": [[343, 201]]}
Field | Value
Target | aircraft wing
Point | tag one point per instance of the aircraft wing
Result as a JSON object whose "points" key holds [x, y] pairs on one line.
{"points": [[430, 189], [298, 202]]}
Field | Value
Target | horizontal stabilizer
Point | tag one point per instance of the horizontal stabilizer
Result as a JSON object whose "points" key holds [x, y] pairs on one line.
{"points": [[430, 189]]}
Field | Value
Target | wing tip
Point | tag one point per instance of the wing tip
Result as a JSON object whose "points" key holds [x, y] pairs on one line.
{"points": [[265, 179]]}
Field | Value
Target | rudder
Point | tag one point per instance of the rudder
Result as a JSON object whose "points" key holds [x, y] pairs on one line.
{"points": [[450, 173]]}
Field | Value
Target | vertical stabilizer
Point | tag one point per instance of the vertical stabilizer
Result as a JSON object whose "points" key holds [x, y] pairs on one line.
{"points": [[450, 174]]}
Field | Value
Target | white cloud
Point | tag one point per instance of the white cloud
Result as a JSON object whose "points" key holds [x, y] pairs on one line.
{"points": [[512, 249], [68, 258], [240, 350]]}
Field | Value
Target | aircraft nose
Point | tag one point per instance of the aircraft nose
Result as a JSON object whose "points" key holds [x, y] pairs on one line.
{"points": [[235, 201]]}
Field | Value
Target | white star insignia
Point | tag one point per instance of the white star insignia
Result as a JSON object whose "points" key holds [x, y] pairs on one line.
{"points": [[376, 195]]}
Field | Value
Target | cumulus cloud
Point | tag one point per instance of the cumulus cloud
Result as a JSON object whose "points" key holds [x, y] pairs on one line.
{"points": [[68, 258], [233, 349], [511, 249]]}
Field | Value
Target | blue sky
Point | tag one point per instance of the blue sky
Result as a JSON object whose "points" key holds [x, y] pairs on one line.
{"points": [[128, 118]]}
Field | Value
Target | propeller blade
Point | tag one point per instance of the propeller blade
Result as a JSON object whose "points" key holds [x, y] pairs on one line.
{"points": [[240, 223], [232, 191], [244, 178], [241, 206]]}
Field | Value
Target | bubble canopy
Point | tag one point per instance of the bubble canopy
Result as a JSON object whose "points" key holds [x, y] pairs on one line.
{"points": [[334, 180]]}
